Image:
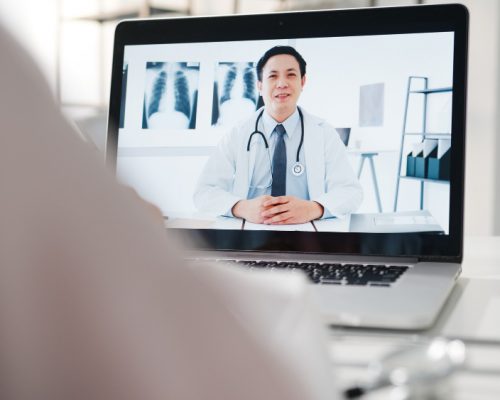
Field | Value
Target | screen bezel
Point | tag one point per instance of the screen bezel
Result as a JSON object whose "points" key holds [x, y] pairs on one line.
{"points": [[312, 24]]}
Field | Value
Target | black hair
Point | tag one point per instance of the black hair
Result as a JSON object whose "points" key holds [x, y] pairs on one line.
{"points": [[277, 50]]}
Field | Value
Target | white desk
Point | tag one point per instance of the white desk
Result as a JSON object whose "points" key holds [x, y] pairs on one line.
{"points": [[402, 221], [200, 221], [472, 314]]}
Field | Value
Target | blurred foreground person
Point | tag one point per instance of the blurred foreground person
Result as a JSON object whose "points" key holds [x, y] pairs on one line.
{"points": [[95, 302]]}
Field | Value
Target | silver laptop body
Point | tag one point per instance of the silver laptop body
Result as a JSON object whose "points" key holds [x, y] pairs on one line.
{"points": [[396, 77]]}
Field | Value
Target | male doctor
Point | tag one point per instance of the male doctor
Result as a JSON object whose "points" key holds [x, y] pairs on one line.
{"points": [[293, 170]]}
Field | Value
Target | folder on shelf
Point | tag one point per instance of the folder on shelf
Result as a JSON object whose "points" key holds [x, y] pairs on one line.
{"points": [[410, 164], [421, 164], [439, 161], [412, 157]]}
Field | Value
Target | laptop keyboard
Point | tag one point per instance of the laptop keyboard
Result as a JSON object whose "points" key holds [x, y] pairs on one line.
{"points": [[336, 274]]}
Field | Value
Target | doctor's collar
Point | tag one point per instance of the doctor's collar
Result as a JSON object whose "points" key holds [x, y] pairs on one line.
{"points": [[290, 124]]}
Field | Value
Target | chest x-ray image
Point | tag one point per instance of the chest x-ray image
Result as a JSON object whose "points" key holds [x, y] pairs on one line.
{"points": [[235, 93], [171, 95]]}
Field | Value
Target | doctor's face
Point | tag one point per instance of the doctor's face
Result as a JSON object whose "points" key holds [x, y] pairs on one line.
{"points": [[281, 86]]}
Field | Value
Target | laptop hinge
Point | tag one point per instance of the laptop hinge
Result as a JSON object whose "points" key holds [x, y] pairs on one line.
{"points": [[303, 257]]}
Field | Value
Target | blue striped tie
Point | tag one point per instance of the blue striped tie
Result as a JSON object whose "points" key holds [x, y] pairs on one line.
{"points": [[279, 163]]}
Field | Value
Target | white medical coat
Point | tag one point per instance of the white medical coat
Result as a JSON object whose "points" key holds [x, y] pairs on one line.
{"points": [[330, 178]]}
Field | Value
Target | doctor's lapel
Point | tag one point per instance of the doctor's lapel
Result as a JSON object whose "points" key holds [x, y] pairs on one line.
{"points": [[243, 172], [250, 159], [314, 148]]}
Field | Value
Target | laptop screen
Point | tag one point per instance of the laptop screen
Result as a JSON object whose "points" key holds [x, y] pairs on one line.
{"points": [[354, 129], [189, 110]]}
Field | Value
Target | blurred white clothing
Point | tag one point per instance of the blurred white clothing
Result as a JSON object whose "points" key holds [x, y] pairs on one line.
{"points": [[95, 300]]}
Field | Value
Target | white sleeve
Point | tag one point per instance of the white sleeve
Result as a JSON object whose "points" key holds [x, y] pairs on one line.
{"points": [[277, 309], [97, 303], [343, 192], [213, 193]]}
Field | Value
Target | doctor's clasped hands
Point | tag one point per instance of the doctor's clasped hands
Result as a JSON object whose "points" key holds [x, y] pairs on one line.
{"points": [[278, 210]]}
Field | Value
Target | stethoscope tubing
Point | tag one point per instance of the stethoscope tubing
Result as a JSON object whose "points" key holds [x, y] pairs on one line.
{"points": [[257, 132]]}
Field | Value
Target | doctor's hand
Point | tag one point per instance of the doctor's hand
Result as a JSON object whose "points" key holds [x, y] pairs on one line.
{"points": [[251, 210], [290, 210]]}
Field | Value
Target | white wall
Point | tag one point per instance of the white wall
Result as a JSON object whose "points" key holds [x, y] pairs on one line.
{"points": [[482, 188], [34, 24]]}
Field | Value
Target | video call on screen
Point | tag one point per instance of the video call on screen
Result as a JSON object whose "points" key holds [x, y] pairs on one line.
{"points": [[388, 97]]}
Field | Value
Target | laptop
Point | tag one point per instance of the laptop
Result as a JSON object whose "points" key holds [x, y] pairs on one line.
{"points": [[389, 255]]}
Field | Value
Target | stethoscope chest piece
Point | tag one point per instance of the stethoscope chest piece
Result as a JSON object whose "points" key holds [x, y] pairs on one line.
{"points": [[297, 169]]}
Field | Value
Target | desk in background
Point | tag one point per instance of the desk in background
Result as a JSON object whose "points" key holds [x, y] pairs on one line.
{"points": [[202, 221], [369, 154], [405, 221], [470, 314]]}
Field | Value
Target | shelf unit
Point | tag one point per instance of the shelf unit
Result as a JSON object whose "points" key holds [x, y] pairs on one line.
{"points": [[144, 9], [425, 92]]}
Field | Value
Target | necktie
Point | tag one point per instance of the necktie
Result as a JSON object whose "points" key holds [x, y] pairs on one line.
{"points": [[279, 163]]}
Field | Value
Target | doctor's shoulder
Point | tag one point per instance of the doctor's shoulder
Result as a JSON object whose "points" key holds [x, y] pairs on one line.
{"points": [[326, 131], [318, 124]]}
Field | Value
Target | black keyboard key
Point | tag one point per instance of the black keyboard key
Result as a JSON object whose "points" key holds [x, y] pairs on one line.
{"points": [[330, 282], [336, 273]]}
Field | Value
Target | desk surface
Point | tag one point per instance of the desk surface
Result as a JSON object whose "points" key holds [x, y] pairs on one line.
{"points": [[471, 314], [478, 380], [402, 221], [481, 257]]}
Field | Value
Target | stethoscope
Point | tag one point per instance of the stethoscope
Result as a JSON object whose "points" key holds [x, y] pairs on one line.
{"points": [[298, 167]]}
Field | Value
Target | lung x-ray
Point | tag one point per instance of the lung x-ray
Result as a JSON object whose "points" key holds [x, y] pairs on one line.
{"points": [[235, 92], [171, 95]]}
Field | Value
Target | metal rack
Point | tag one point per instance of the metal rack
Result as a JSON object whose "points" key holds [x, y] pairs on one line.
{"points": [[425, 92]]}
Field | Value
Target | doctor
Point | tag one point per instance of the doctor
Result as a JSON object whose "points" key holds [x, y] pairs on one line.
{"points": [[283, 165]]}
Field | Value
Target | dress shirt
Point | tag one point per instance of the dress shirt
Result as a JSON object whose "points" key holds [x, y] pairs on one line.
{"points": [[261, 177]]}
